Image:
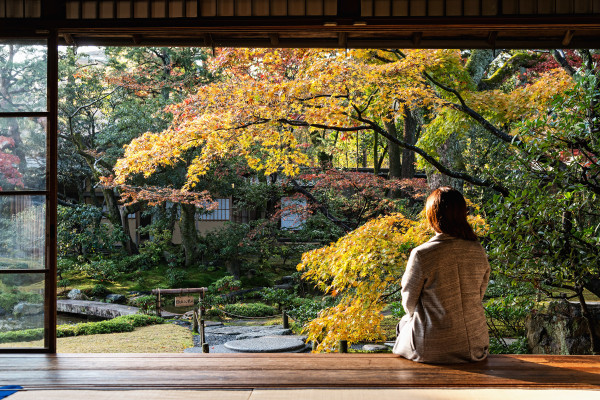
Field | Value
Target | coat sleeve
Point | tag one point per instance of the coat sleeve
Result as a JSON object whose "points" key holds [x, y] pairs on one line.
{"points": [[484, 283], [412, 283]]}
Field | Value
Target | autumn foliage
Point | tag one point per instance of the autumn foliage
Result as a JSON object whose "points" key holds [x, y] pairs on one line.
{"points": [[363, 269]]}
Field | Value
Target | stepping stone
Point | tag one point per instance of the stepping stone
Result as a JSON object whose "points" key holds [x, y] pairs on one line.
{"points": [[227, 330], [266, 344], [375, 347], [270, 332]]}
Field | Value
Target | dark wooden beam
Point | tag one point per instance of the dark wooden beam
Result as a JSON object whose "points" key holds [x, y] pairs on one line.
{"points": [[343, 40], [416, 38], [567, 38]]}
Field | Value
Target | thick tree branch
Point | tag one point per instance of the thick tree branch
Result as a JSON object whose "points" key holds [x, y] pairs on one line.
{"points": [[431, 160], [319, 206], [560, 58], [500, 134]]}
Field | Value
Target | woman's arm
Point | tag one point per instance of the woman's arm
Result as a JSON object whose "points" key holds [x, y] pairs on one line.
{"points": [[484, 283], [412, 283]]}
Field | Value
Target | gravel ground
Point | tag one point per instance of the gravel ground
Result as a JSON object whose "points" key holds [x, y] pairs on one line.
{"points": [[211, 339]]}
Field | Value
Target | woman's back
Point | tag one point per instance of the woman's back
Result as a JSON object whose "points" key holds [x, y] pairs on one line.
{"points": [[442, 291]]}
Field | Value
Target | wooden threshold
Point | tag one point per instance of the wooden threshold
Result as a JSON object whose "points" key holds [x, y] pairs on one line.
{"points": [[256, 371]]}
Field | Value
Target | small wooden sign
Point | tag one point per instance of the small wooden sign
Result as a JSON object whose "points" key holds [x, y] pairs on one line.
{"points": [[185, 301]]}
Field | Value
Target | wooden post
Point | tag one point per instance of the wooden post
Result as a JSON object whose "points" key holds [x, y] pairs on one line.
{"points": [[195, 320], [286, 321], [158, 303], [202, 330], [343, 346]]}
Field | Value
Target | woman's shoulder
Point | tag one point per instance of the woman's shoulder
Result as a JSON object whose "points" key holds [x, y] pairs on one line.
{"points": [[442, 242]]}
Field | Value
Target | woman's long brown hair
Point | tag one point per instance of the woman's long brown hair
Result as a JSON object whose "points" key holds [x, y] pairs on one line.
{"points": [[446, 212]]}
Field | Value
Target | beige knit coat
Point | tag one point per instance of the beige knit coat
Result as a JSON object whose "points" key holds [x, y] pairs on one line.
{"points": [[442, 293]]}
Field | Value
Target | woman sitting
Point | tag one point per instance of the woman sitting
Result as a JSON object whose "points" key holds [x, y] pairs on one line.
{"points": [[443, 288]]}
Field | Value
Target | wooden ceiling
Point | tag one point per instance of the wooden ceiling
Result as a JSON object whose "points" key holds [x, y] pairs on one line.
{"points": [[310, 23]]}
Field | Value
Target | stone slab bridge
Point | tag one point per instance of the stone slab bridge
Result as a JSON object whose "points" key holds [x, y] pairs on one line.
{"points": [[98, 309]]}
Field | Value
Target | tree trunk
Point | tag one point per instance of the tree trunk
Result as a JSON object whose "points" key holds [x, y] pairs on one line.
{"points": [[393, 151], [478, 63], [451, 155], [233, 268], [119, 218], [594, 339], [410, 136], [325, 159], [189, 234], [375, 153]]}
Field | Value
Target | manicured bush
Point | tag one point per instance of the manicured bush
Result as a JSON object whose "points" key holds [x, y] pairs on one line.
{"points": [[146, 304], [26, 335], [125, 323], [250, 309]]}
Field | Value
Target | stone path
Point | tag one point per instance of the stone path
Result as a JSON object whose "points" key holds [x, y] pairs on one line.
{"points": [[249, 339]]}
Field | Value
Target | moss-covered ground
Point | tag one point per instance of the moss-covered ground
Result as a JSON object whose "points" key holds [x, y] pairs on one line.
{"points": [[165, 338]]}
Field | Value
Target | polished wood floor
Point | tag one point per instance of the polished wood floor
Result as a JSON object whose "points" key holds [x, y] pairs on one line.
{"points": [[254, 371]]}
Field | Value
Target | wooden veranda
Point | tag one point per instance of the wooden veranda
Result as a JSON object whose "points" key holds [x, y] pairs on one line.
{"points": [[253, 371]]}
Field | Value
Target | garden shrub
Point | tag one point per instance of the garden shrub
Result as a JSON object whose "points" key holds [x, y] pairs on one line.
{"points": [[176, 277], [64, 265], [99, 290], [499, 346], [308, 309], [26, 335], [63, 283], [103, 270], [225, 285], [80, 231], [397, 309], [506, 315], [250, 309], [282, 298], [146, 304], [125, 323]]}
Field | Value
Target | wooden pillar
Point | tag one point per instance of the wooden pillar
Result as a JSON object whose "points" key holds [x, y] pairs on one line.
{"points": [[52, 190]]}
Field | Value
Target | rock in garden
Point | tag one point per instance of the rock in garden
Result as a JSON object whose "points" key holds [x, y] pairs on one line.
{"points": [[284, 286], [75, 294], [286, 279], [2, 312], [270, 344], [374, 347], [560, 329], [267, 332], [28, 309], [116, 298]]}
